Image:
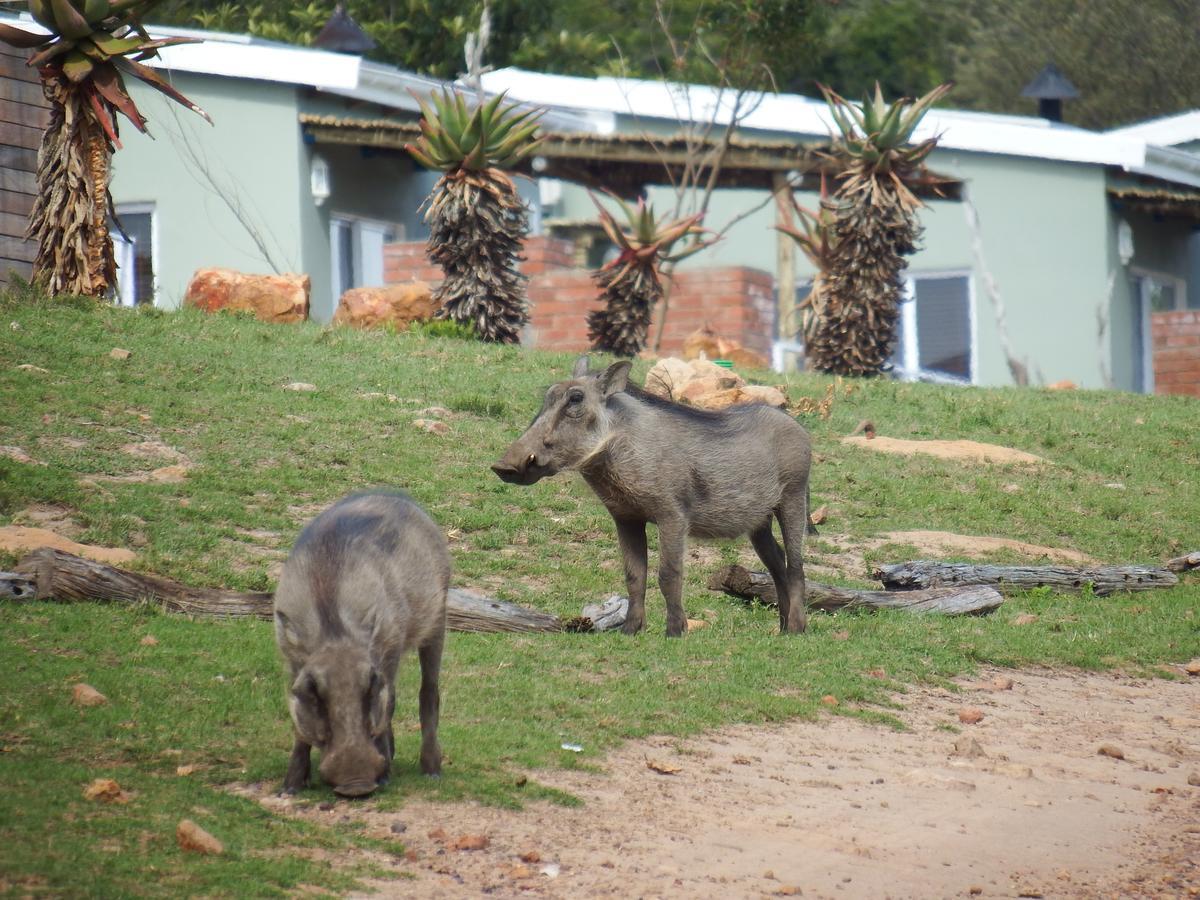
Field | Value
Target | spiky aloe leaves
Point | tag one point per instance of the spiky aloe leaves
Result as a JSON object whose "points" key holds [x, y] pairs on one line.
{"points": [[865, 231], [492, 135], [630, 285], [477, 221], [91, 44]]}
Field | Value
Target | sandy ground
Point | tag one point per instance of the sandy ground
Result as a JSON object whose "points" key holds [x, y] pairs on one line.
{"points": [[1022, 804]]}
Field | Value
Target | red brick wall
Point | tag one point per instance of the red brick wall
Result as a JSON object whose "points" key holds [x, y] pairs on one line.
{"points": [[1176, 352], [735, 301]]}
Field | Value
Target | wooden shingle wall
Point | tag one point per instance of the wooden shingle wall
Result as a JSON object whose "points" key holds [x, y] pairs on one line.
{"points": [[23, 117]]}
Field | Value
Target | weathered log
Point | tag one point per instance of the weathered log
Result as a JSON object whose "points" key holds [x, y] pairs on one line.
{"points": [[1185, 563], [924, 573], [949, 601], [56, 575], [16, 587]]}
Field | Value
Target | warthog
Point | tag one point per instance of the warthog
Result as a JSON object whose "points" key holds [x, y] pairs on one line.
{"points": [[709, 474], [365, 583]]}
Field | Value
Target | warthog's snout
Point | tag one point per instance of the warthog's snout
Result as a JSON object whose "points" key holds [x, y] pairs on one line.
{"points": [[522, 468], [355, 788]]}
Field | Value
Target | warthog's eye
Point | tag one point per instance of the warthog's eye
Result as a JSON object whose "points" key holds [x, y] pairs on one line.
{"points": [[575, 396]]}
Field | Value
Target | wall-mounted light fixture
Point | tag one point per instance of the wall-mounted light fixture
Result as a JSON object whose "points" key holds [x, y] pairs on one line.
{"points": [[320, 180]]}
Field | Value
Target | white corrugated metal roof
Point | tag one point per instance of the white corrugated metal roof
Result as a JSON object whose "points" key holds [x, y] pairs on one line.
{"points": [[1167, 131], [807, 117]]}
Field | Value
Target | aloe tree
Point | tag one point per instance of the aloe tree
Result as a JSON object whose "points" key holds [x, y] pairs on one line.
{"points": [[477, 221], [631, 285], [83, 60], [868, 227]]}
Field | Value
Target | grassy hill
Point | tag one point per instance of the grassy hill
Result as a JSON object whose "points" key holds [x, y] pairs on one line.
{"points": [[210, 394]]}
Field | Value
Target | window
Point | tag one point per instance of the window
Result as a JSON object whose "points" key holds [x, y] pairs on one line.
{"points": [[356, 251], [133, 246], [935, 331]]}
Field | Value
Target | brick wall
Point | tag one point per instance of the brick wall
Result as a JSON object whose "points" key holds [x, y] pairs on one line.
{"points": [[1176, 352], [735, 301]]}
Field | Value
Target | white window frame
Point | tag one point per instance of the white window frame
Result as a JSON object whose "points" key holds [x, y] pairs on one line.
{"points": [[126, 293], [368, 275], [1142, 278], [908, 367]]}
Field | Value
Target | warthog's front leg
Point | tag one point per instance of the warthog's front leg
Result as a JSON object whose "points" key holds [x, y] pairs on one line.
{"points": [[299, 767], [631, 536], [431, 704], [672, 538]]}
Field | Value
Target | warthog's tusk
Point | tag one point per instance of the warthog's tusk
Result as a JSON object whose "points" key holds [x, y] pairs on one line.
{"points": [[532, 459]]}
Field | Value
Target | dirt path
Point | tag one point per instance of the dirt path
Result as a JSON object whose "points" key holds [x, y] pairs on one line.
{"points": [[1020, 804]]}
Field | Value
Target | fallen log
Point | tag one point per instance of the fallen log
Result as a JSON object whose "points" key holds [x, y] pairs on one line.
{"points": [[57, 575], [949, 601], [15, 587], [1185, 563], [924, 573]]}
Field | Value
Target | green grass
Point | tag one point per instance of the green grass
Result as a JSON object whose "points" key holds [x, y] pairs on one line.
{"points": [[265, 459]]}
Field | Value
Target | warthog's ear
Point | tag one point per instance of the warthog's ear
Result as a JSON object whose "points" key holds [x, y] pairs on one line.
{"points": [[615, 378], [581, 367]]}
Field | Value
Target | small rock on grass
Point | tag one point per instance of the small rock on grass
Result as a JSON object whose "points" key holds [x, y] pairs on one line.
{"points": [[302, 386], [829, 700], [432, 426], [86, 695], [149, 641], [106, 790], [1193, 668], [120, 353], [1025, 619], [1111, 751], [194, 839], [470, 842], [970, 715]]}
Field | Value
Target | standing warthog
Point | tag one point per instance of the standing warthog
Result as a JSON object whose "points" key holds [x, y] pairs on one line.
{"points": [[365, 583], [710, 474]]}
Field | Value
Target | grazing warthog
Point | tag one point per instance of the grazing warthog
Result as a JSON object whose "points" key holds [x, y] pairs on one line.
{"points": [[709, 474], [365, 583]]}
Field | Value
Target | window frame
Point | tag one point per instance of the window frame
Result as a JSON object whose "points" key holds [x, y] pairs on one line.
{"points": [[357, 224], [125, 278], [907, 356]]}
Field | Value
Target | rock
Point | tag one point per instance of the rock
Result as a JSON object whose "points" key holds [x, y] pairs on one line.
{"points": [[1002, 683], [1193, 667], [120, 353], [702, 384], [706, 342], [970, 715], [149, 641], [829, 700], [399, 828], [302, 386], [272, 298], [1111, 751], [185, 771], [1025, 619], [32, 369], [194, 839], [818, 515], [398, 305], [105, 790], [975, 890], [432, 426], [967, 746], [531, 857], [1194, 779], [1065, 385], [696, 624], [86, 695], [470, 842], [662, 768]]}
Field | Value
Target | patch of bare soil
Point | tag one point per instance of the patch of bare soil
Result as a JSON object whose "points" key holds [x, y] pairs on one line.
{"points": [[53, 516], [936, 542], [968, 451], [21, 539], [1024, 803]]}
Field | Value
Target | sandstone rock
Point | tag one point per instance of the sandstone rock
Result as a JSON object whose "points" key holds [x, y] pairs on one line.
{"points": [[970, 715], [1111, 751], [398, 305], [303, 387], [120, 353], [705, 385], [470, 842], [105, 790], [86, 695], [829, 700], [272, 298], [1193, 667], [193, 838], [708, 343]]}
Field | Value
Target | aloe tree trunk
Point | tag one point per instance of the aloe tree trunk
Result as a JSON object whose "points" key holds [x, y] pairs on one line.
{"points": [[69, 220]]}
